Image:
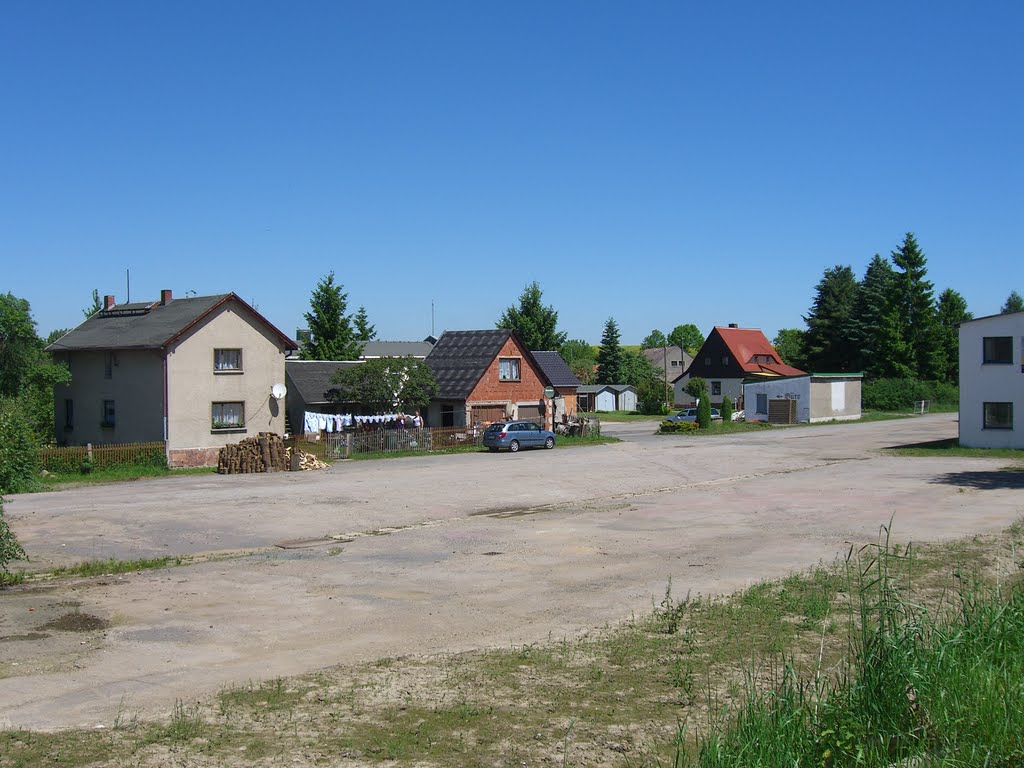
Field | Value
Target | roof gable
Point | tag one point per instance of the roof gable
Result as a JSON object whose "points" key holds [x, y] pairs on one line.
{"points": [[751, 350], [459, 360]]}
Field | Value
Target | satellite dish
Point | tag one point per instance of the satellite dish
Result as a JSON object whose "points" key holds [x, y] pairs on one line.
{"points": [[278, 391]]}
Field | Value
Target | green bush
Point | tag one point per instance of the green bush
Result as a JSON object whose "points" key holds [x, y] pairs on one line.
{"points": [[704, 413], [19, 459], [10, 549], [726, 409], [901, 394], [668, 427]]}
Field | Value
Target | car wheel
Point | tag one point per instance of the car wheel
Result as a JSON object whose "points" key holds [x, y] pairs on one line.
{"points": [[513, 446], [549, 443]]}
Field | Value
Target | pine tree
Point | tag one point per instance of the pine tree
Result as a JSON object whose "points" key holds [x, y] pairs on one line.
{"points": [[609, 359], [872, 304], [951, 311], [914, 303], [331, 334], [364, 330], [536, 324], [828, 346]]}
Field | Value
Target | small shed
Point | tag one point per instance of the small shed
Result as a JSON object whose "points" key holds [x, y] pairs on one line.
{"points": [[606, 397], [811, 397]]}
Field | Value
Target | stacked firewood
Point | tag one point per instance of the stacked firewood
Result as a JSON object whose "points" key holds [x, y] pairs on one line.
{"points": [[263, 453]]}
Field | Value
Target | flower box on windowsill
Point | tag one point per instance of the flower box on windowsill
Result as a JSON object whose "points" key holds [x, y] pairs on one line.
{"points": [[227, 371], [227, 428]]}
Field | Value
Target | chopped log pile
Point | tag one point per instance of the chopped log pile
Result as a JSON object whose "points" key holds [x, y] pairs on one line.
{"points": [[263, 453], [309, 461]]}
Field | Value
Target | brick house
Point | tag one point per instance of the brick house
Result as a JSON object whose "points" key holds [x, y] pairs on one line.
{"points": [[194, 373], [558, 372], [485, 376]]}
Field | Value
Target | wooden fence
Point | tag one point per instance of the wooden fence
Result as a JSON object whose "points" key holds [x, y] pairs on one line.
{"points": [[73, 458]]}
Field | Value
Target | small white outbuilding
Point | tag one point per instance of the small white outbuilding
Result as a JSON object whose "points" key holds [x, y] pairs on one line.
{"points": [[810, 397]]}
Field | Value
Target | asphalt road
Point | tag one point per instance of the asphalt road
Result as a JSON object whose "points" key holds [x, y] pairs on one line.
{"points": [[302, 571]]}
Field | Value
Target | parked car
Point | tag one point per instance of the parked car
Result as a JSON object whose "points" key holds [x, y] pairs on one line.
{"points": [[514, 435], [690, 414]]}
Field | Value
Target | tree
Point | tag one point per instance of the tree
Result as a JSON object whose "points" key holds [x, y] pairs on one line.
{"points": [[789, 343], [951, 311], [871, 306], [827, 342], [536, 324], [697, 388], [912, 311], [581, 358], [27, 373], [1014, 303], [331, 336], [649, 382], [654, 339], [364, 331], [609, 359], [96, 305], [688, 337], [386, 384]]}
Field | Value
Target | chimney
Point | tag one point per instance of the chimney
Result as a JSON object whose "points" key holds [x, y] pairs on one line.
{"points": [[108, 302], [165, 297], [733, 325]]}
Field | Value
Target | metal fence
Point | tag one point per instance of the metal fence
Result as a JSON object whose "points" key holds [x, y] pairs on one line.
{"points": [[73, 458]]}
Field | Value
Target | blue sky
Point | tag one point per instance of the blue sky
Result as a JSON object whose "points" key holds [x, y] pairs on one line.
{"points": [[660, 163]]}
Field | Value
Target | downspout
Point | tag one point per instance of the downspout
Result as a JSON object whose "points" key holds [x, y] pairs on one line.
{"points": [[167, 452]]}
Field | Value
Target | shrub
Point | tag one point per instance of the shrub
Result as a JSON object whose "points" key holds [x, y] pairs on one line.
{"points": [[900, 394], [19, 460], [10, 549], [704, 413], [726, 409], [668, 427]]}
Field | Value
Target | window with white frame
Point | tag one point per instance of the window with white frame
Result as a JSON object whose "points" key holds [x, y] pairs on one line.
{"points": [[508, 369], [998, 416], [997, 349], [227, 360], [228, 416]]}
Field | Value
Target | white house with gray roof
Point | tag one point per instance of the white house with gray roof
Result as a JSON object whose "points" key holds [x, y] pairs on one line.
{"points": [[196, 373]]}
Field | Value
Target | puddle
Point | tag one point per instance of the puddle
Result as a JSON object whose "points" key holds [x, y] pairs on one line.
{"points": [[77, 622]]}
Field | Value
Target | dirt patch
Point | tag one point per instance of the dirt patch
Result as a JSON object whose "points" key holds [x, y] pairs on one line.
{"points": [[77, 622]]}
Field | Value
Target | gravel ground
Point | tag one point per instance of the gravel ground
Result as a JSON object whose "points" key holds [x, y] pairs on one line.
{"points": [[301, 571]]}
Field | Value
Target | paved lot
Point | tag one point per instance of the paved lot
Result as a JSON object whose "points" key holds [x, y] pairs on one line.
{"points": [[445, 553]]}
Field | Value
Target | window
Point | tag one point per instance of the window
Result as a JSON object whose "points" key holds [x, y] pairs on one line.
{"points": [[762, 404], [998, 349], [227, 360], [109, 415], [508, 369], [998, 416], [108, 365], [675, 363], [725, 359], [228, 416], [69, 414], [716, 388]]}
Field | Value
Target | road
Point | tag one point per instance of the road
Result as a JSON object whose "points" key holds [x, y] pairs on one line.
{"points": [[435, 554]]}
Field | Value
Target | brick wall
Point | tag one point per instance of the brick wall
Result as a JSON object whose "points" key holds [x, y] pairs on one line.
{"points": [[529, 387]]}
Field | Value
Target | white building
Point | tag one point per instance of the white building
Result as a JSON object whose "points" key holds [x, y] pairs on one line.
{"points": [[992, 381], [818, 397]]}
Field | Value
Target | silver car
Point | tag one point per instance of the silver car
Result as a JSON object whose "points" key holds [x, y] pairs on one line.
{"points": [[514, 435], [690, 414]]}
